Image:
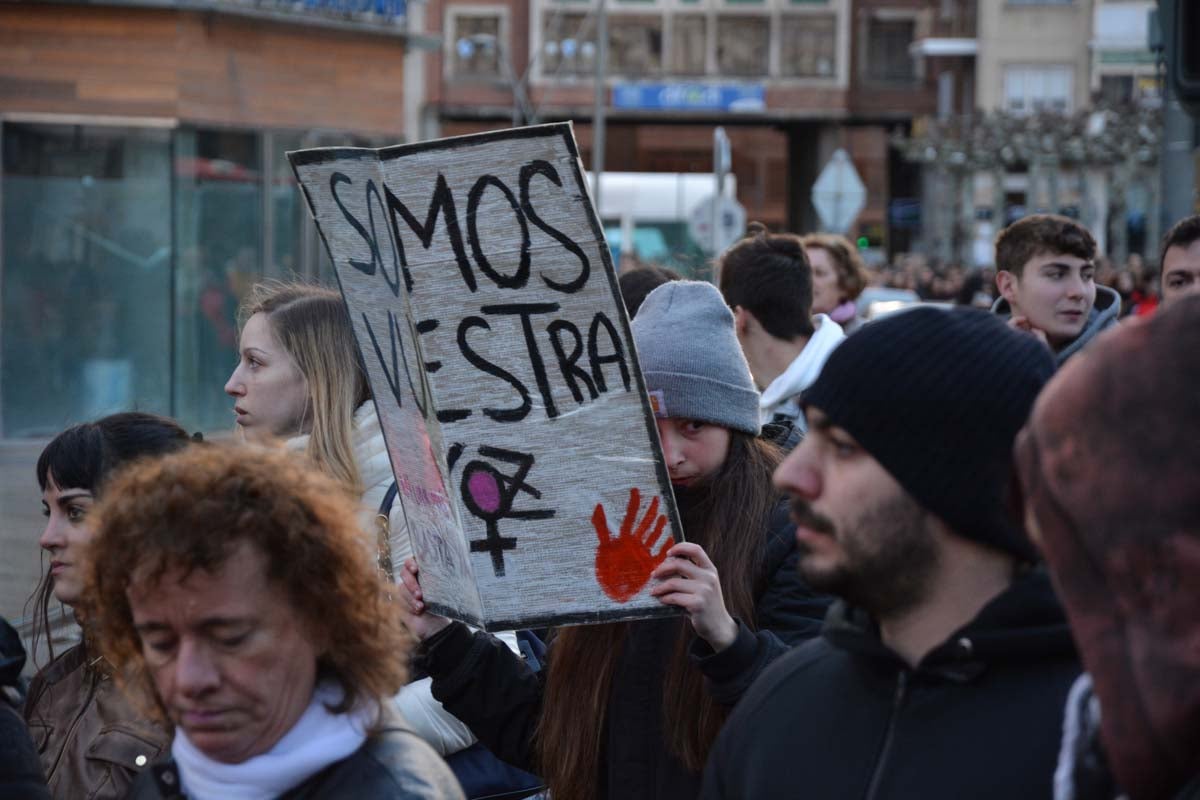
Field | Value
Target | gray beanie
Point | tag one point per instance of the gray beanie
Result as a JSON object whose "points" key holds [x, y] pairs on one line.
{"points": [[691, 359]]}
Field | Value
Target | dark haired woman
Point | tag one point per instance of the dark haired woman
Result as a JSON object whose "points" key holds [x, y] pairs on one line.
{"points": [[91, 741], [630, 710]]}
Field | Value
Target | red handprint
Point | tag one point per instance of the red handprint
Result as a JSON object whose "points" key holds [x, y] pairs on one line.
{"points": [[624, 563]]}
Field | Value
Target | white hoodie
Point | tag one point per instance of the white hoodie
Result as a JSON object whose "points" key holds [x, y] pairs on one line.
{"points": [[781, 398]]}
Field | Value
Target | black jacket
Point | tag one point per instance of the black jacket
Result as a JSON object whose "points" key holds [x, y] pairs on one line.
{"points": [[481, 682], [844, 717], [393, 764], [20, 771]]}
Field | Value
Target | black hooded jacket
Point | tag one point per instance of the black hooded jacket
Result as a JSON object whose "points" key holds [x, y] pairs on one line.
{"points": [[844, 717], [479, 680]]}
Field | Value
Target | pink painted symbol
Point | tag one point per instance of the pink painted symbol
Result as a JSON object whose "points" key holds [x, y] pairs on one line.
{"points": [[485, 491], [489, 495]]}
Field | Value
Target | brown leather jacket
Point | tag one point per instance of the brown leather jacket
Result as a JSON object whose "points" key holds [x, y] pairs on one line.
{"points": [[92, 743]]}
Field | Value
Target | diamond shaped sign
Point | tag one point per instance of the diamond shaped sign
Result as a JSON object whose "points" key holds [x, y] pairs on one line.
{"points": [[838, 193]]}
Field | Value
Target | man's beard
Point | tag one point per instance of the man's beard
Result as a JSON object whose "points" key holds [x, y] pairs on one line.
{"points": [[889, 555]]}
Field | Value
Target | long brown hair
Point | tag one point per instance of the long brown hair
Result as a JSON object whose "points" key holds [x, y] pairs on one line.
{"points": [[313, 326], [728, 519]]}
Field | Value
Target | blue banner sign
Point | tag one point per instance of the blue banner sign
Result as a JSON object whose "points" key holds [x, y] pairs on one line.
{"points": [[382, 15], [732, 97]]}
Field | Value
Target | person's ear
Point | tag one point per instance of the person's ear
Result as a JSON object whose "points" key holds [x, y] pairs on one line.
{"points": [[741, 320], [1007, 284]]}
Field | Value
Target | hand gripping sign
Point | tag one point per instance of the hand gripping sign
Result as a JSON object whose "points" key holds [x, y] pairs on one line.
{"points": [[486, 311]]}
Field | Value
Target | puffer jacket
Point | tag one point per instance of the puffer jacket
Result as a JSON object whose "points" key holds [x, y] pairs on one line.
{"points": [[393, 763], [480, 681], [91, 741], [844, 716]]}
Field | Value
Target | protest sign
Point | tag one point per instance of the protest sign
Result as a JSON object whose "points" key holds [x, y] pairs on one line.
{"points": [[487, 313]]}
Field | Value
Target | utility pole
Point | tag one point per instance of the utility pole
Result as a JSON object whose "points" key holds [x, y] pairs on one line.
{"points": [[601, 100], [1178, 160]]}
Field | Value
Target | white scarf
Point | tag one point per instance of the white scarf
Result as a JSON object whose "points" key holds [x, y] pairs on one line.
{"points": [[317, 740]]}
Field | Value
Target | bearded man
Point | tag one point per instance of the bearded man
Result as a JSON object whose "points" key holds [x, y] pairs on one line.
{"points": [[943, 670]]}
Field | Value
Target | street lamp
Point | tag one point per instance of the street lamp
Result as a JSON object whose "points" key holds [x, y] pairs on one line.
{"points": [[486, 43]]}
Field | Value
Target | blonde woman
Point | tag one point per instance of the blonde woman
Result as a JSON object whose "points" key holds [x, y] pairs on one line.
{"points": [[300, 380]]}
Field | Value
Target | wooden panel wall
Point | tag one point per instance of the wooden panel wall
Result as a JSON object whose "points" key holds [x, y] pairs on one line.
{"points": [[198, 67]]}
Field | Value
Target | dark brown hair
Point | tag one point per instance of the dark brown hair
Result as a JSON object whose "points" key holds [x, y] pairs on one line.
{"points": [[731, 512], [83, 457], [851, 272], [191, 510], [640, 281], [1040, 234], [1182, 234], [768, 274]]}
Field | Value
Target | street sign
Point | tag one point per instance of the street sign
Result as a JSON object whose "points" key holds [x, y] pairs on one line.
{"points": [[738, 97], [730, 219], [838, 193]]}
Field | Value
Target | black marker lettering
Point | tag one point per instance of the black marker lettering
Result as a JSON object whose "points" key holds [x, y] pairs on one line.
{"points": [[393, 283], [525, 311], [616, 357], [442, 202], [547, 169], [365, 267], [393, 374], [567, 363], [479, 362], [518, 279]]}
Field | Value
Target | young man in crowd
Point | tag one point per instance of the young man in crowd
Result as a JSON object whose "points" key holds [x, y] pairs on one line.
{"points": [[1180, 260], [1045, 272], [767, 281], [943, 670]]}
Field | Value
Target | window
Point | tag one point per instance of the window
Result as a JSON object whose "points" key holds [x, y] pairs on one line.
{"points": [[743, 45], [218, 232], [568, 44], [1029, 89], [721, 39], [1116, 90], [476, 40], [807, 46], [888, 57], [689, 44], [635, 44], [87, 275]]}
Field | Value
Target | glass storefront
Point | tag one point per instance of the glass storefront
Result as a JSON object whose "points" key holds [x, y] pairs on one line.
{"points": [[87, 275], [124, 253]]}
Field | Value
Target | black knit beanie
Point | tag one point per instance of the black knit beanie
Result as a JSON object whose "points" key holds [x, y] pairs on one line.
{"points": [[937, 397]]}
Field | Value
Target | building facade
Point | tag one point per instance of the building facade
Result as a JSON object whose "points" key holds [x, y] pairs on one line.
{"points": [[790, 80], [145, 186]]}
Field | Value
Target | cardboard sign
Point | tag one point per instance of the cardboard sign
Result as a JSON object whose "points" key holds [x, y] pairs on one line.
{"points": [[487, 313]]}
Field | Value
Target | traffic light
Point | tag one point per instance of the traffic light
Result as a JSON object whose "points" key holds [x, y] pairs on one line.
{"points": [[1180, 21]]}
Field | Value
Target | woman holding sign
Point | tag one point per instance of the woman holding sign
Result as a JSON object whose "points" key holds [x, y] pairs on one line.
{"points": [[630, 710], [299, 379]]}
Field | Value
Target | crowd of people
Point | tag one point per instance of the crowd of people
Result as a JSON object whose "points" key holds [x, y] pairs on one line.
{"points": [[945, 553]]}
